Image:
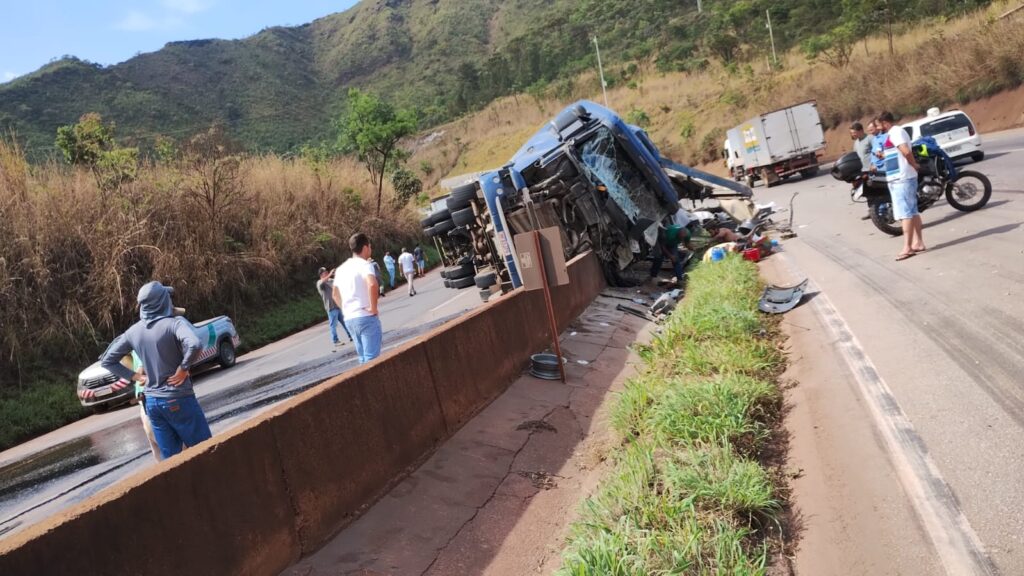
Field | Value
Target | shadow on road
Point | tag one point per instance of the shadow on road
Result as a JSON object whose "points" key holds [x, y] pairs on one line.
{"points": [[990, 232], [958, 214]]}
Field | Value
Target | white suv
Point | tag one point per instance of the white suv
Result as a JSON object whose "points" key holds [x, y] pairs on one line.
{"points": [[953, 130]]}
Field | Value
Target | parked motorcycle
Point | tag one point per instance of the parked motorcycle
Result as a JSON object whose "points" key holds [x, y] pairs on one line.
{"points": [[965, 190]]}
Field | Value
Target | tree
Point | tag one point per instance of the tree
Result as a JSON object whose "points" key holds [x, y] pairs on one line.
{"points": [[372, 129], [90, 143], [407, 186], [833, 47]]}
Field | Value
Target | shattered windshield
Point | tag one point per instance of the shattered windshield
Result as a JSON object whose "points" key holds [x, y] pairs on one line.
{"points": [[605, 162]]}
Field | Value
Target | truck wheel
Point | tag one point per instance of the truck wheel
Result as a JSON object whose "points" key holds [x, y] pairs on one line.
{"points": [[464, 217], [461, 197], [459, 272], [486, 280], [443, 228], [226, 354], [461, 283], [439, 216], [750, 181]]}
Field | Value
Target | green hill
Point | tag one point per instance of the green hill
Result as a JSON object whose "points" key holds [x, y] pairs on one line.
{"points": [[285, 86]]}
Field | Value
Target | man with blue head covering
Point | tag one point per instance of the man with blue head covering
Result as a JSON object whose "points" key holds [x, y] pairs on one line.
{"points": [[167, 345]]}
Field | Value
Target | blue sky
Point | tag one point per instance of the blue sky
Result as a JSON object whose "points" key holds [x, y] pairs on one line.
{"points": [[33, 32]]}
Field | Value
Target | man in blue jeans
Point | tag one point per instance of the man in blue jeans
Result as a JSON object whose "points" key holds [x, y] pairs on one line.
{"points": [[325, 286], [167, 345], [901, 175], [356, 292], [668, 247]]}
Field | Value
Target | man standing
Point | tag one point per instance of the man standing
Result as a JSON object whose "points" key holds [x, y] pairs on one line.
{"points": [[421, 260], [406, 261], [862, 145], [355, 291], [668, 247], [878, 138], [167, 345], [901, 175], [389, 263], [325, 286]]}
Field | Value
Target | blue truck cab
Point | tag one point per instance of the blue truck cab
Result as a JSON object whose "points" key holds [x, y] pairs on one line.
{"points": [[599, 179]]}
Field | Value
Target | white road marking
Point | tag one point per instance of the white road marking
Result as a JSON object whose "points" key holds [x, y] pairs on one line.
{"points": [[956, 543], [450, 300]]}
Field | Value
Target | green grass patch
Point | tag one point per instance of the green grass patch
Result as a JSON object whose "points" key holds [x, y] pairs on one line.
{"points": [[280, 320], [688, 493]]}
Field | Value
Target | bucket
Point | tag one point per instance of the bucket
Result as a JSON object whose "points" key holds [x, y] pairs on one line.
{"points": [[752, 254], [717, 254]]}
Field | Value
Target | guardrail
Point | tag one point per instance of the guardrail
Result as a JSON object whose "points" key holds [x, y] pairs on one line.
{"points": [[256, 499]]}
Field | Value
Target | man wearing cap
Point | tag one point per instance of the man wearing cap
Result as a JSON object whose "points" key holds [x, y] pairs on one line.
{"points": [[325, 286], [167, 345]]}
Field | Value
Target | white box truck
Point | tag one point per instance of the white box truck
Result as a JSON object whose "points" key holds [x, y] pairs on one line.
{"points": [[776, 145]]}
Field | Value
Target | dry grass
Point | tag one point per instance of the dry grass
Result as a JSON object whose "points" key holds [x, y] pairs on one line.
{"points": [[72, 256], [936, 63]]}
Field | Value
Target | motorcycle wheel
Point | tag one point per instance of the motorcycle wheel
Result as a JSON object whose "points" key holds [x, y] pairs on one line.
{"points": [[881, 217], [969, 192]]}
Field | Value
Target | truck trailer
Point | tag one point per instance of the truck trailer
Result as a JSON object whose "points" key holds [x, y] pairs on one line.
{"points": [[775, 145]]}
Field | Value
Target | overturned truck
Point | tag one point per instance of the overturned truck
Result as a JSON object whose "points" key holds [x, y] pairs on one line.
{"points": [[601, 181]]}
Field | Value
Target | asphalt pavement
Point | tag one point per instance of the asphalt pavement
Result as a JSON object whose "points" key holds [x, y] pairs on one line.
{"points": [[944, 330], [52, 472]]}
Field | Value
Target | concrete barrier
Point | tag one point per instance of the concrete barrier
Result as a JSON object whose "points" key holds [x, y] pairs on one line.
{"points": [[254, 500]]}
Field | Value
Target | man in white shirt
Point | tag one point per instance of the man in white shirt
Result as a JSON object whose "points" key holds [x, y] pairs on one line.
{"points": [[901, 176], [408, 264], [356, 292]]}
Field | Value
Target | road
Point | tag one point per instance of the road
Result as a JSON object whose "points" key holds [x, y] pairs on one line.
{"points": [[50, 473], [945, 332]]}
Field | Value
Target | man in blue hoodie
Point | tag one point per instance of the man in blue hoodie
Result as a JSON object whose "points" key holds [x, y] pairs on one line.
{"points": [[167, 346]]}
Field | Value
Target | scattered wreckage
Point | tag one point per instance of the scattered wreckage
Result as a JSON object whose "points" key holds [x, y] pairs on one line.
{"points": [[601, 181]]}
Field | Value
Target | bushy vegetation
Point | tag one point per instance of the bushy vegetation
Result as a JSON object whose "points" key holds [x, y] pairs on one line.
{"points": [[284, 87], [688, 492], [233, 234]]}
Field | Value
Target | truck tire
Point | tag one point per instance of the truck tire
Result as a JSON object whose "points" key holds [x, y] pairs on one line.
{"points": [[443, 228], [447, 283], [459, 272], [439, 216], [464, 217], [461, 197], [226, 355], [809, 172], [486, 280], [461, 283], [429, 232], [750, 181]]}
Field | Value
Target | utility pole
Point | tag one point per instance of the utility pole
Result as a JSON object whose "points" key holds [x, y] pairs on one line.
{"points": [[600, 69], [771, 35]]}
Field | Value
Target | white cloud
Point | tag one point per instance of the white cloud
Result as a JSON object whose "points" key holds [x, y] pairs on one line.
{"points": [[137, 21], [8, 76], [186, 6]]}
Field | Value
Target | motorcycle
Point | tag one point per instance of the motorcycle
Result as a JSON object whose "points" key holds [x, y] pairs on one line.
{"points": [[965, 190]]}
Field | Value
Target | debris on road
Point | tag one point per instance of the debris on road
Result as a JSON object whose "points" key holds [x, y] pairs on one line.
{"points": [[778, 299]]}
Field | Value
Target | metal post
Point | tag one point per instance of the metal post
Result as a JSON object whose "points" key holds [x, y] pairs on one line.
{"points": [[604, 85], [548, 303], [771, 35], [699, 10]]}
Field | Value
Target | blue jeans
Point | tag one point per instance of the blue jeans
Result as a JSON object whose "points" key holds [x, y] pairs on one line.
{"points": [[904, 198], [176, 422], [391, 276], [333, 319], [367, 335], [657, 257]]}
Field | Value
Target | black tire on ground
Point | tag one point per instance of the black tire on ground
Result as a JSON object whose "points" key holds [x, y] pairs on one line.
{"points": [[464, 217], [969, 192], [439, 216], [226, 356], [443, 228], [447, 283], [881, 217], [486, 280], [444, 273], [978, 156], [461, 197], [485, 295], [809, 172], [460, 271], [461, 283]]}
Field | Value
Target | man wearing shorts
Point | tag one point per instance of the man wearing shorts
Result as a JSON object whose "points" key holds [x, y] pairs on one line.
{"points": [[901, 175]]}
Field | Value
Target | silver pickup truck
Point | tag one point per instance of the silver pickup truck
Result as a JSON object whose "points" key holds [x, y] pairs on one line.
{"points": [[99, 389]]}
